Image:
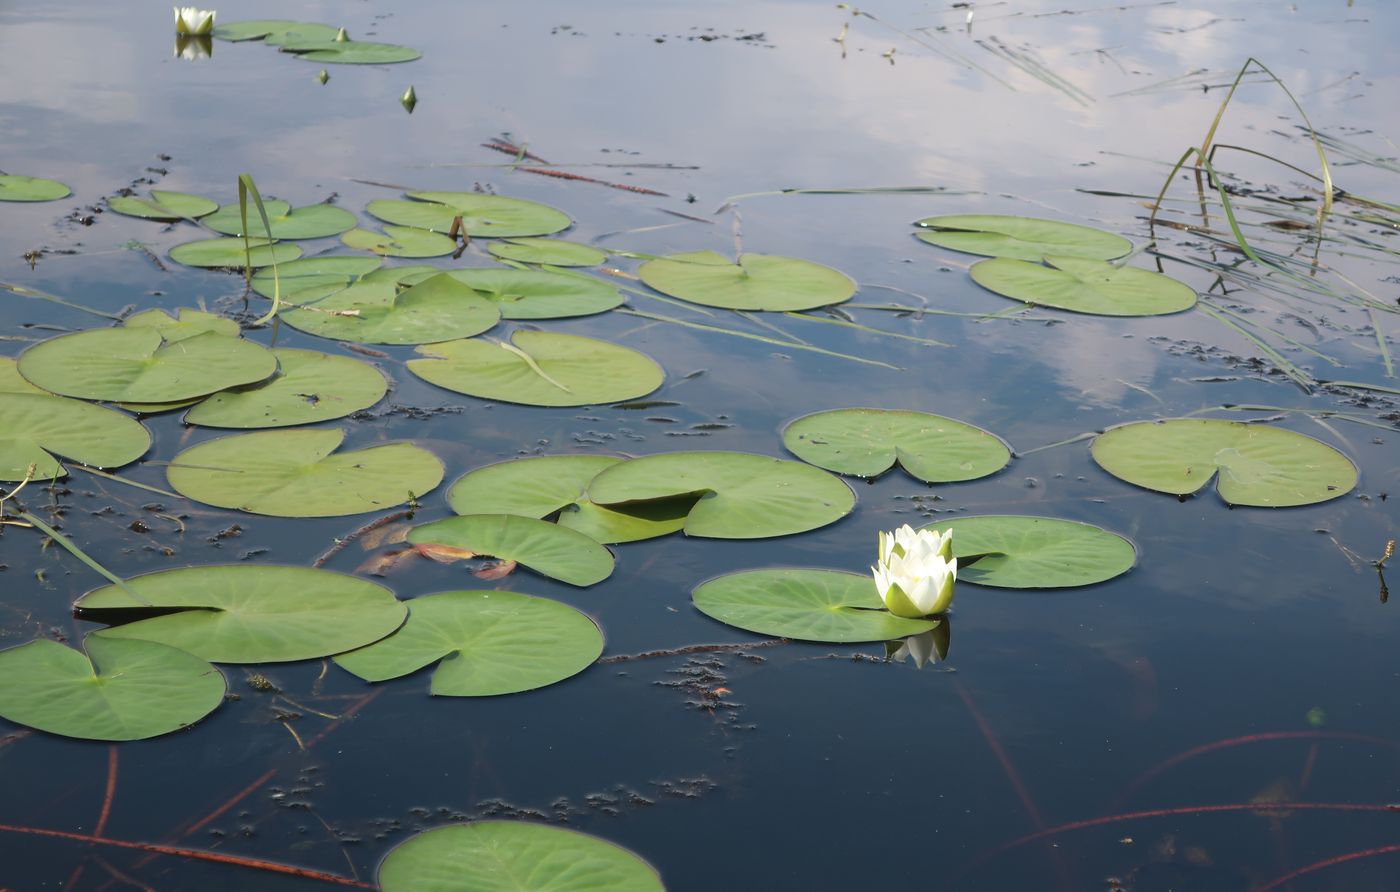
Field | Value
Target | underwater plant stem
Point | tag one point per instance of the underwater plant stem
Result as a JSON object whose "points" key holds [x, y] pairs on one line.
{"points": [[1325, 863], [101, 826], [52, 298], [196, 854], [339, 544], [756, 337]]}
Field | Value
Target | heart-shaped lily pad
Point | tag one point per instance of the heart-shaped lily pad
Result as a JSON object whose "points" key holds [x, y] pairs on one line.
{"points": [[483, 216], [1257, 465], [741, 496], [437, 309], [34, 427], [122, 690], [486, 856], [229, 252], [14, 187], [1022, 238], [540, 368], [11, 381], [274, 30], [1084, 286], [1036, 552], [307, 388], [530, 294], [756, 282], [545, 485], [489, 643], [868, 442], [245, 613], [348, 52], [299, 473], [286, 222], [185, 324], [300, 277], [137, 365], [546, 548], [400, 241], [164, 205], [553, 251], [806, 604]]}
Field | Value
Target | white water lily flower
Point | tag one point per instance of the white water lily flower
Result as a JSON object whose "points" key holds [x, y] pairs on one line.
{"points": [[189, 20], [916, 572], [920, 648]]}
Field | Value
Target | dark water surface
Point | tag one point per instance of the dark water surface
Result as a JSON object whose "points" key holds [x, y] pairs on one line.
{"points": [[822, 767]]}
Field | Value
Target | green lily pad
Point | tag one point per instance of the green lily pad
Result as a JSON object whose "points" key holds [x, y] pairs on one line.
{"points": [[245, 613], [11, 381], [489, 643], [274, 30], [36, 427], [228, 252], [1036, 552], [1261, 466], [298, 278], [137, 365], [164, 205], [553, 251], [1021, 238], [540, 368], [546, 548], [400, 241], [483, 216], [299, 473], [805, 604], [19, 188], [437, 309], [121, 690], [349, 52], [530, 294], [741, 496], [546, 485], [185, 324], [868, 442], [307, 388], [487, 856], [312, 221], [1085, 286], [756, 282]]}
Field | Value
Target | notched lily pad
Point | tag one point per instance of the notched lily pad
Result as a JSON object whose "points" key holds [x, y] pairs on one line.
{"points": [[14, 187], [307, 388], [348, 52], [228, 253], [739, 496], [1022, 238], [274, 30], [549, 485], [301, 473], [286, 222], [531, 294], [121, 690], [483, 216], [539, 368], [514, 855], [299, 278], [437, 309], [805, 604], [868, 442], [164, 205], [1253, 464], [400, 241], [489, 642], [137, 364], [186, 323], [35, 427], [546, 548], [1085, 286], [244, 613], [1016, 551], [756, 282], [552, 251]]}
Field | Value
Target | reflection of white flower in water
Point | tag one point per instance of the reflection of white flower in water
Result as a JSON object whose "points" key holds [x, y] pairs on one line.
{"points": [[920, 647], [189, 20], [193, 46], [916, 571]]}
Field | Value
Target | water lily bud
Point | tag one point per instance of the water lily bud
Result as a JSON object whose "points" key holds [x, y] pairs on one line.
{"points": [[323, 76], [409, 99], [342, 36], [189, 20]]}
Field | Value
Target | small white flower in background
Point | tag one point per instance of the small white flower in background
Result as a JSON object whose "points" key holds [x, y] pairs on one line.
{"points": [[189, 20], [916, 571]]}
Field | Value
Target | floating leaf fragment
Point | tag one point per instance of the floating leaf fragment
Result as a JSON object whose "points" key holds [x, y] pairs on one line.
{"points": [[546, 548]]}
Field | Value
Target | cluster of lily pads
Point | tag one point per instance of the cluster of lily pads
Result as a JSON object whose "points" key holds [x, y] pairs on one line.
{"points": [[150, 670], [315, 42]]}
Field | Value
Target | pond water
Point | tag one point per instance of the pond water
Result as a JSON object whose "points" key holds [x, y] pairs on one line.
{"points": [[1247, 659]]}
